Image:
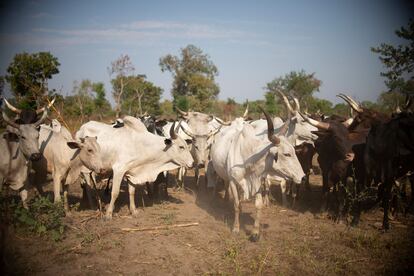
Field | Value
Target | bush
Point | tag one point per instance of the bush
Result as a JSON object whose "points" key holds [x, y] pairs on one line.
{"points": [[42, 218]]}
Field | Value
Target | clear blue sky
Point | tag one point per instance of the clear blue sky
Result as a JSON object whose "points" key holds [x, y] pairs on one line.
{"points": [[251, 42]]}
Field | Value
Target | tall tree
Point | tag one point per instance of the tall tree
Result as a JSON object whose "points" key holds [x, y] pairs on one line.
{"points": [[102, 106], [399, 60], [194, 77], [139, 95], [119, 70], [301, 84], [28, 76]]}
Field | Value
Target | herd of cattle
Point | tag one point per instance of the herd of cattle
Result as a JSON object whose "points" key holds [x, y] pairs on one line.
{"points": [[370, 149]]}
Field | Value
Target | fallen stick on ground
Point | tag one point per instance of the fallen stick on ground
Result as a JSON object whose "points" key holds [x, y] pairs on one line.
{"points": [[163, 227]]}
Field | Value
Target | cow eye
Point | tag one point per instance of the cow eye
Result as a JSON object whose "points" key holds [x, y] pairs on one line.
{"points": [[90, 151], [182, 147], [22, 137], [288, 154]]}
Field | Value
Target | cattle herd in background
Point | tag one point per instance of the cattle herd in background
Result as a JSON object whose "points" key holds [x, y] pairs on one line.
{"points": [[367, 152]]}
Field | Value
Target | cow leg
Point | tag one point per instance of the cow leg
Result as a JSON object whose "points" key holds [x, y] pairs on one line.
{"points": [[266, 188], [388, 182], [23, 196], [325, 191], [116, 186], [65, 198], [197, 176], [236, 206], [132, 207], [259, 205], [88, 189], [57, 182], [283, 190]]}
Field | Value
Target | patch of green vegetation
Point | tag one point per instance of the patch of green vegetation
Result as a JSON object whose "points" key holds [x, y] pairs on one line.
{"points": [[43, 217], [168, 218]]}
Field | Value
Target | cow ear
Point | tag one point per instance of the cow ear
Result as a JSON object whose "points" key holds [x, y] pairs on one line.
{"points": [[276, 156], [168, 142], [74, 145], [188, 141]]}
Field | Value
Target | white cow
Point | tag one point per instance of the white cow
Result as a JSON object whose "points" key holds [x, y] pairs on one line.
{"points": [[64, 158], [244, 161], [133, 153], [18, 147]]}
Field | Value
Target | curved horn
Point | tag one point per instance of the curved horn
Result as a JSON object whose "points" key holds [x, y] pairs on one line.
{"points": [[351, 102], [11, 107], [321, 125], [187, 131], [348, 122], [173, 135], [222, 122], [296, 103], [289, 107], [40, 121], [270, 128], [214, 131], [283, 130], [182, 112], [246, 112], [40, 110], [8, 121]]}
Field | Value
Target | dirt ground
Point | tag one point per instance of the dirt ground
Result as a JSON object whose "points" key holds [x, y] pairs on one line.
{"points": [[293, 242]]}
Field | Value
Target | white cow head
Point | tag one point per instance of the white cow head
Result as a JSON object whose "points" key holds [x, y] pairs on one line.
{"points": [[89, 153], [178, 149], [282, 160], [27, 135]]}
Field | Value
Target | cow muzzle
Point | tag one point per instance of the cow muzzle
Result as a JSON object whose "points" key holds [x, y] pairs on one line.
{"points": [[35, 156]]}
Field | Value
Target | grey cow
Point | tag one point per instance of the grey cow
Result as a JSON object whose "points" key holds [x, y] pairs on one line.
{"points": [[18, 147]]}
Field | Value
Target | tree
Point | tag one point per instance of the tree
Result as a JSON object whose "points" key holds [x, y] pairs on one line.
{"points": [[193, 75], [301, 84], [271, 105], [316, 105], [390, 101], [399, 60], [120, 69], [139, 95], [28, 76], [102, 105], [83, 98]]}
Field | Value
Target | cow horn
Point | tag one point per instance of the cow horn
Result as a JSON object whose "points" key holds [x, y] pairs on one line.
{"points": [[40, 110], [222, 122], [289, 107], [173, 135], [187, 131], [246, 112], [270, 128], [408, 102], [8, 121], [351, 102], [296, 103], [182, 112], [40, 121], [214, 131], [348, 122], [12, 108], [284, 128], [321, 125]]}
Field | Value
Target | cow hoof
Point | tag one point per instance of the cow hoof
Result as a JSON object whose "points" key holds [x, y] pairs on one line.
{"points": [[108, 217], [254, 237], [135, 213], [235, 231]]}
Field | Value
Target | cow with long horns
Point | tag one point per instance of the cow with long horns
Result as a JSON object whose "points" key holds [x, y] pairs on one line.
{"points": [[243, 161]]}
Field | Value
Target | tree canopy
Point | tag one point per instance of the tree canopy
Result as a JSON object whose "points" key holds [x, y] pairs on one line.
{"points": [[28, 76], [399, 61], [193, 77], [140, 95]]}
